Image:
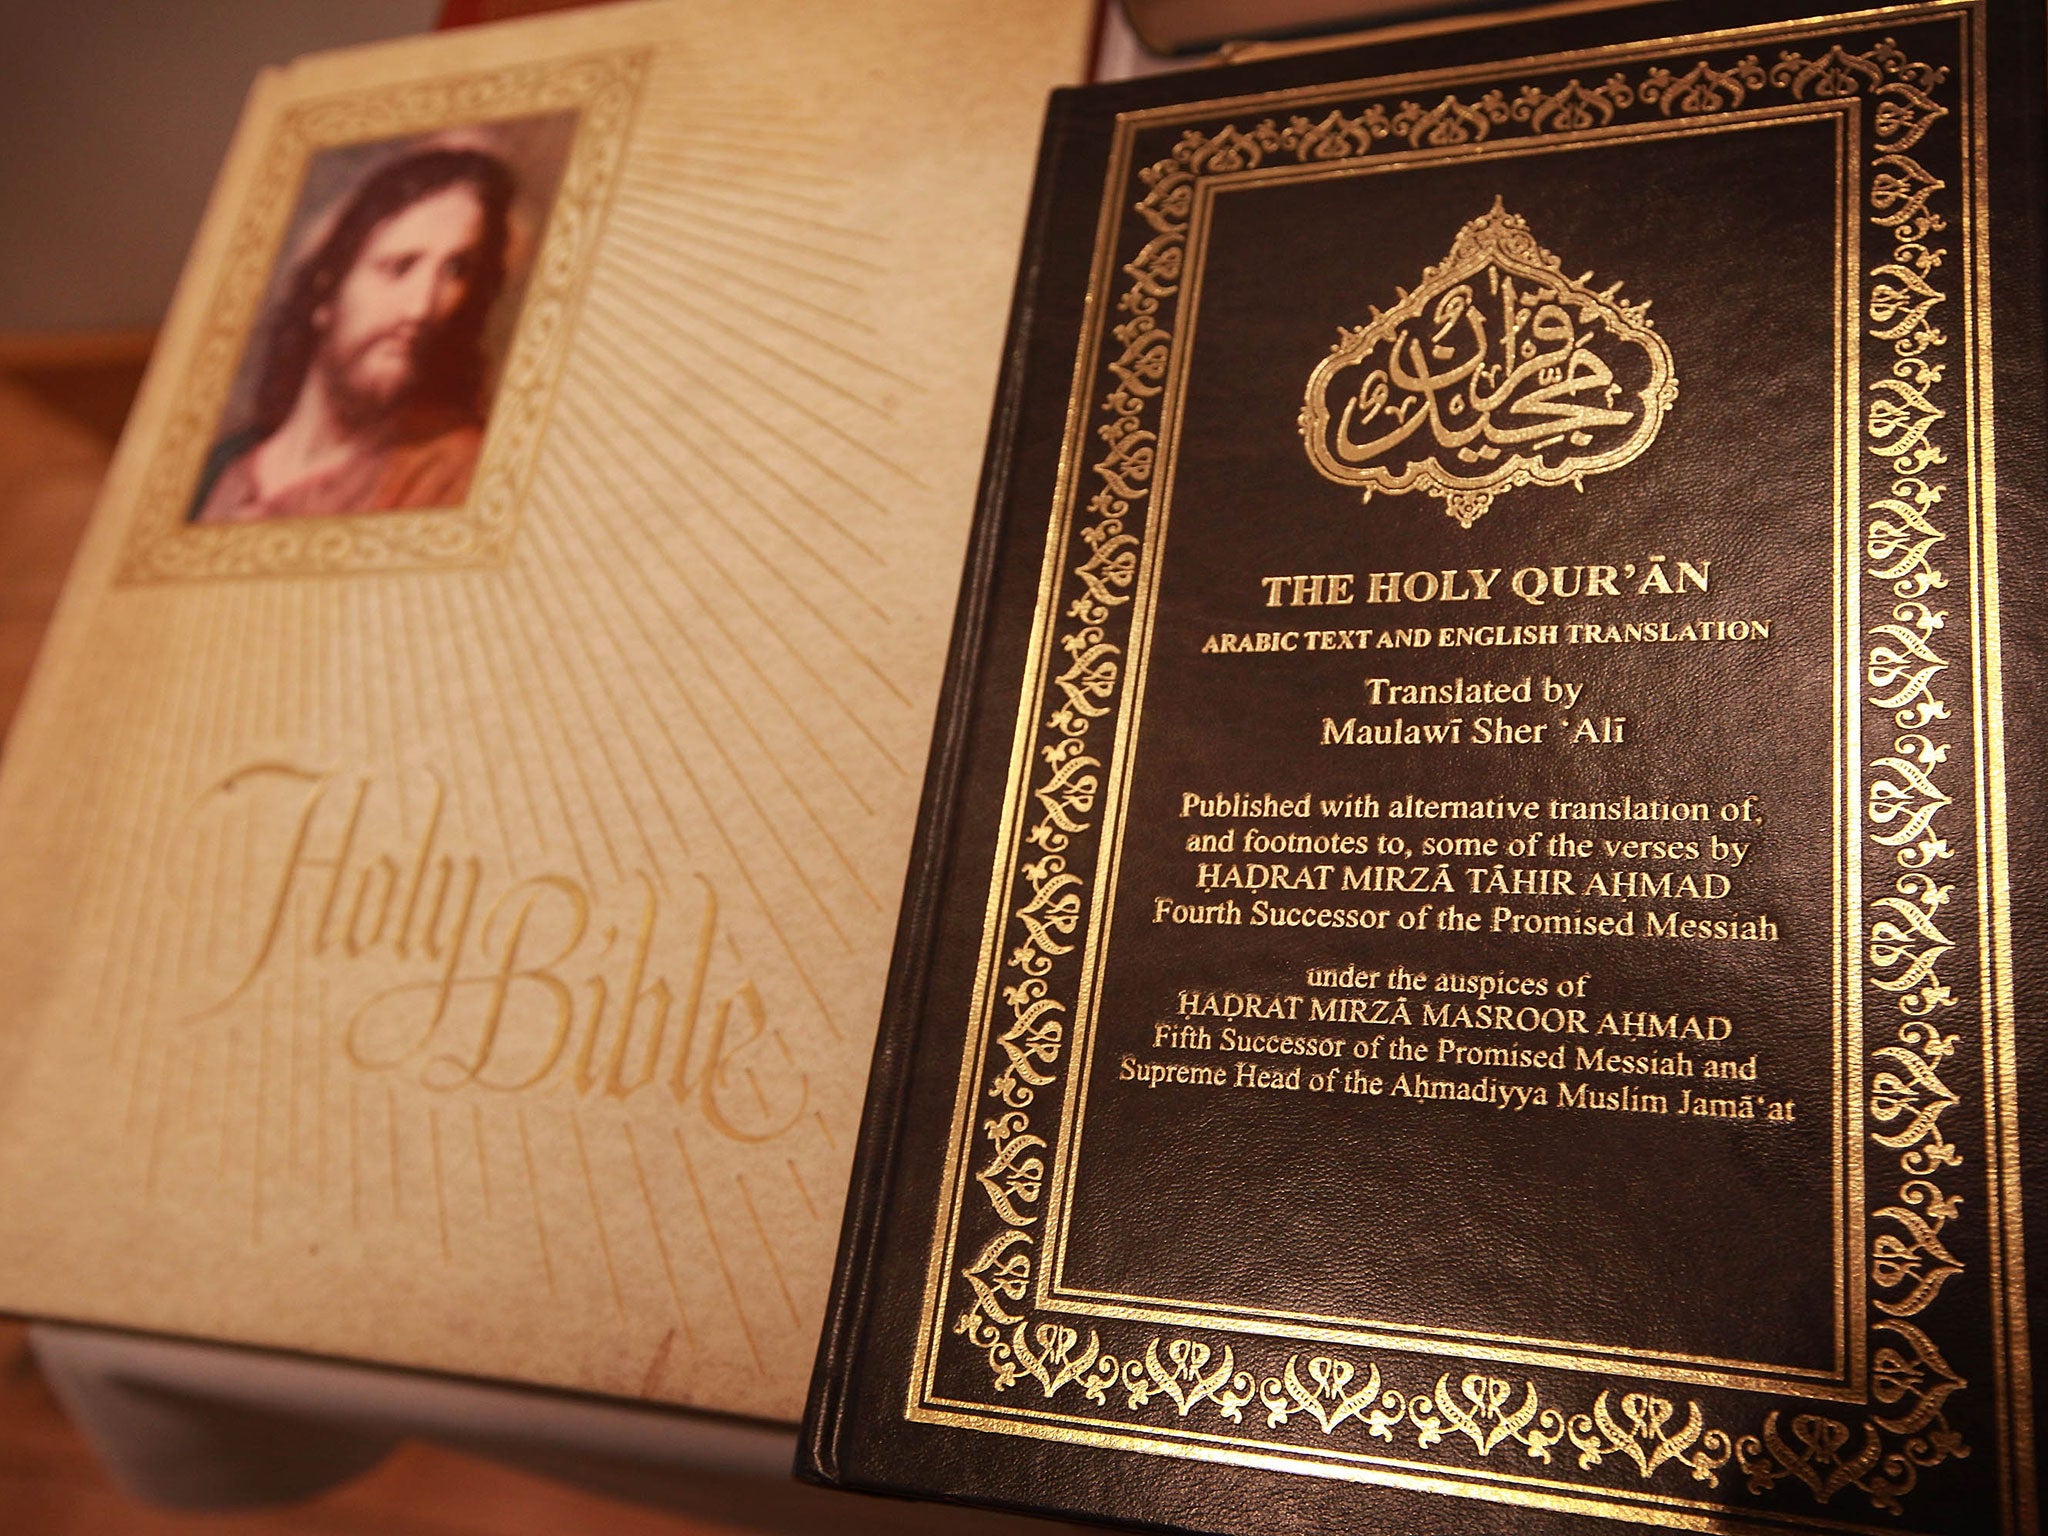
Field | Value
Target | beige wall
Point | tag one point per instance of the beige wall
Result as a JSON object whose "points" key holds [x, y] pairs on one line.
{"points": [[114, 115]]}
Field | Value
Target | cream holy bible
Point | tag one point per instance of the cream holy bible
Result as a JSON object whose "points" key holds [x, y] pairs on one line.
{"points": [[453, 839]]}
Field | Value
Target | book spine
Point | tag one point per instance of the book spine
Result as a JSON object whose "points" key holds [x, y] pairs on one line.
{"points": [[847, 1302]]}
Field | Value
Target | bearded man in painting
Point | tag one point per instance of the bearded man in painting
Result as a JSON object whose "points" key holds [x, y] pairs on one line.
{"points": [[372, 390]]}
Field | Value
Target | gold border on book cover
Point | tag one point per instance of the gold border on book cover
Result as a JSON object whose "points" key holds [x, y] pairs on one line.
{"points": [[600, 92], [1051, 1288]]}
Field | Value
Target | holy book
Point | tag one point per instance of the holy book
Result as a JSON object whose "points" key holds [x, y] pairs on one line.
{"points": [[452, 840], [1467, 965]]}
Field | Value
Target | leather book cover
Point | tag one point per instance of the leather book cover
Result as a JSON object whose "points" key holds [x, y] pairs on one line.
{"points": [[452, 841], [1472, 957]]}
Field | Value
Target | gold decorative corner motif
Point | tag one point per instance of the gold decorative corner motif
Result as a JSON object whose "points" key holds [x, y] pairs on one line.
{"points": [[1496, 371]]}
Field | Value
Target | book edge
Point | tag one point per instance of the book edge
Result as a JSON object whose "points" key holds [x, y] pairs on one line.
{"points": [[840, 1339]]}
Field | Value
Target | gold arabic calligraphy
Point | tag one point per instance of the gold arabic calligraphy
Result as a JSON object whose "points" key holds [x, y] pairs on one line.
{"points": [[1520, 375]]}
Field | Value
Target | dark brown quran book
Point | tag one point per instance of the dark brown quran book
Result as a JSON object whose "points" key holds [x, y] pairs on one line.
{"points": [[1471, 964]]}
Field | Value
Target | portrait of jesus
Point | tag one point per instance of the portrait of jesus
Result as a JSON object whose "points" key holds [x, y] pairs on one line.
{"points": [[367, 386]]}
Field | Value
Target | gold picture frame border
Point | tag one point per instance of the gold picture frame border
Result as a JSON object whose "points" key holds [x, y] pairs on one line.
{"points": [[604, 90], [1905, 1430], [1843, 1376]]}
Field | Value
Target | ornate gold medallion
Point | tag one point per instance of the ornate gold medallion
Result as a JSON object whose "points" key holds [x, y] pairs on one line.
{"points": [[1497, 371]]}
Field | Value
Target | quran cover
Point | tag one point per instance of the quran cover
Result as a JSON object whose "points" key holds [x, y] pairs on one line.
{"points": [[453, 839], [1468, 967]]}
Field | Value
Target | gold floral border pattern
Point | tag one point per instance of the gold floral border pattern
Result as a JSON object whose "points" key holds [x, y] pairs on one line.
{"points": [[1908, 1259], [603, 90]]}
